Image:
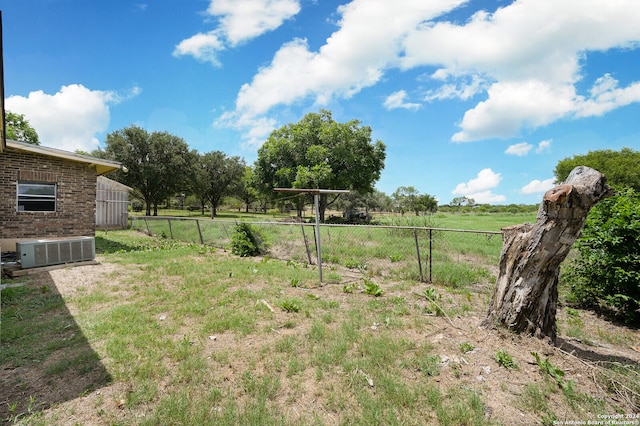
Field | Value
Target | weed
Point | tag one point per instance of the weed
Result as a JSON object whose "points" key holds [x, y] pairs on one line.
{"points": [[372, 288], [433, 297], [291, 305], [465, 347], [431, 294], [295, 282], [349, 288], [546, 367], [503, 358]]}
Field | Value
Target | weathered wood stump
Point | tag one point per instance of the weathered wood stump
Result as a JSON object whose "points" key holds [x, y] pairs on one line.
{"points": [[526, 293]]}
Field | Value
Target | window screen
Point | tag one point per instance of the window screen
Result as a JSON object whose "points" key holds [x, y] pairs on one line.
{"points": [[36, 197]]}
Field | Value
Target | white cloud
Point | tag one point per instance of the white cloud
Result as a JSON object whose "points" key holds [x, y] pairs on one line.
{"points": [[354, 57], [543, 146], [239, 21], [460, 89], [71, 118], [243, 20], [514, 105], [520, 149], [397, 100], [480, 188], [203, 47], [538, 186], [530, 52], [524, 59], [607, 96]]}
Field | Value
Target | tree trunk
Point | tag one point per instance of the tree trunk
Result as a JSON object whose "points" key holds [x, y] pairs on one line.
{"points": [[526, 292]]}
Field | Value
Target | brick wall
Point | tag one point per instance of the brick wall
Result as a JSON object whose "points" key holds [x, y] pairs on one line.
{"points": [[75, 199]]}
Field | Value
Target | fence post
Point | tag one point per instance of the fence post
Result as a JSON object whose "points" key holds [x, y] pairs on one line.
{"points": [[306, 243], [199, 231], [170, 229], [146, 222], [415, 237], [430, 254], [318, 246]]}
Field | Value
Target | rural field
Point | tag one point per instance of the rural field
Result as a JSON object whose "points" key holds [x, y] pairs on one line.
{"points": [[165, 332]]}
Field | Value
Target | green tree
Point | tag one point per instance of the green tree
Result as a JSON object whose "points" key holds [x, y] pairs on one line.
{"points": [[405, 198], [408, 198], [318, 152], [459, 202], [606, 274], [220, 176], [426, 203], [621, 168], [18, 129], [158, 165], [372, 201], [247, 190]]}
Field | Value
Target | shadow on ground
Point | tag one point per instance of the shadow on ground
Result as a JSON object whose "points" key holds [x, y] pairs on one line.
{"points": [[45, 359]]}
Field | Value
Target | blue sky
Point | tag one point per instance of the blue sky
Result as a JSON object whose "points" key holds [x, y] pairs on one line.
{"points": [[472, 98]]}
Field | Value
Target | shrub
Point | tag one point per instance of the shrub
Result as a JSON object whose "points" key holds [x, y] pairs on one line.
{"points": [[247, 241], [605, 276], [137, 205]]}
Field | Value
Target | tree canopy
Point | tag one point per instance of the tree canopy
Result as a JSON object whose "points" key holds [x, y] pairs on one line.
{"points": [[605, 274], [408, 198], [158, 164], [19, 129], [218, 176], [318, 152], [620, 167]]}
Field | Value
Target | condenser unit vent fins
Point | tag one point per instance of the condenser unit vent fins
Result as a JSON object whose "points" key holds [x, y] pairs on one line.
{"points": [[37, 253]]}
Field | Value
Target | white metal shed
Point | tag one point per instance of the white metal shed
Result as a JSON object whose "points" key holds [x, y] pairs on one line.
{"points": [[112, 204]]}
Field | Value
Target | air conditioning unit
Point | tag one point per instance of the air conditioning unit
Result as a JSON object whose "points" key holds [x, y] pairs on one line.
{"points": [[36, 253]]}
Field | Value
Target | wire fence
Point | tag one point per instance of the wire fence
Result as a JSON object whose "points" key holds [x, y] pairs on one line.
{"points": [[451, 257]]}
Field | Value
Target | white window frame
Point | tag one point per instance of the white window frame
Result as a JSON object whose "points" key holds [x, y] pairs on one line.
{"points": [[34, 201]]}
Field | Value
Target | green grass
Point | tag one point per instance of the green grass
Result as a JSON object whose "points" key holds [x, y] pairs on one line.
{"points": [[194, 335], [382, 252]]}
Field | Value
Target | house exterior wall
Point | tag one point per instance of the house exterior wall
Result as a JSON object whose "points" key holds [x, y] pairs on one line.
{"points": [[75, 197]]}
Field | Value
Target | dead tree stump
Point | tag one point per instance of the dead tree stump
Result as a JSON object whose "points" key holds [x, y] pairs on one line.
{"points": [[526, 292]]}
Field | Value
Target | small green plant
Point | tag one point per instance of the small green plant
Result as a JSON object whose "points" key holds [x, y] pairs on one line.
{"points": [[356, 264], [556, 373], [295, 282], [503, 358], [431, 294], [247, 241], [291, 305], [372, 288], [349, 288], [433, 297], [465, 347]]}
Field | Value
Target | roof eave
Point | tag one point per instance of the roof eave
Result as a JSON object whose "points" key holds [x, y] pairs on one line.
{"points": [[102, 166]]}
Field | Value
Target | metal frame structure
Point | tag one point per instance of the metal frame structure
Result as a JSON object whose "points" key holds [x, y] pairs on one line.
{"points": [[315, 193]]}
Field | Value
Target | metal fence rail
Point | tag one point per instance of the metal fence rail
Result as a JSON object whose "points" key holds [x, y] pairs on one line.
{"points": [[394, 252]]}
